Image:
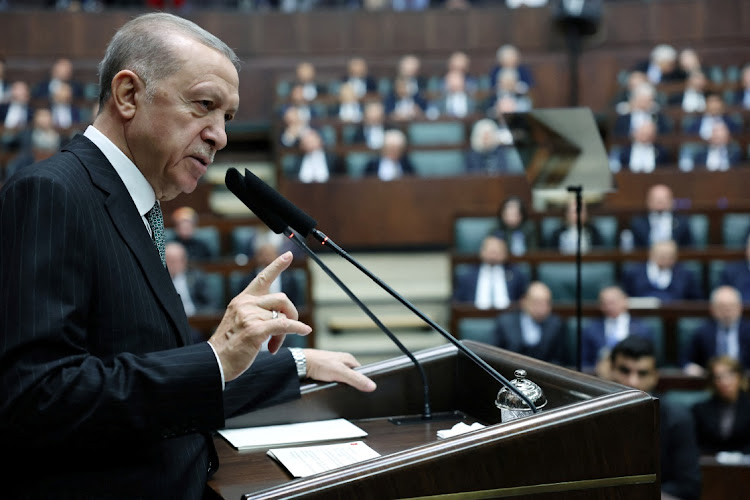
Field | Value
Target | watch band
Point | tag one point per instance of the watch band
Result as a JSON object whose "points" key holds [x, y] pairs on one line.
{"points": [[300, 360]]}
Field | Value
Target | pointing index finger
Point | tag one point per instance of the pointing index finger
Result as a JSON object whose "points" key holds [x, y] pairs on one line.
{"points": [[262, 282]]}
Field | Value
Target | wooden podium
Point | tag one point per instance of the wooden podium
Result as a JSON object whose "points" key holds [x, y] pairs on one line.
{"points": [[594, 439]]}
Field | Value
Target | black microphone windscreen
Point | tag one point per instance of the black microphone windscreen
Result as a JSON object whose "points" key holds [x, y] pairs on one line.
{"points": [[275, 202], [238, 186]]}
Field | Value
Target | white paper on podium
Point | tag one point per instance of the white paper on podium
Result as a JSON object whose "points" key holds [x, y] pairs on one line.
{"points": [[280, 435], [308, 460]]}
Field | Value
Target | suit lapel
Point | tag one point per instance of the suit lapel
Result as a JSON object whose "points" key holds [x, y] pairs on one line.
{"points": [[129, 225]]}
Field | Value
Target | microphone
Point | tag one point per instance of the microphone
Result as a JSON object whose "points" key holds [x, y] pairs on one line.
{"points": [[241, 189], [277, 203]]}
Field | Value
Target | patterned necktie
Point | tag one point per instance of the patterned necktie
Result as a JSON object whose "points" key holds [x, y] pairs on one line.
{"points": [[156, 221]]}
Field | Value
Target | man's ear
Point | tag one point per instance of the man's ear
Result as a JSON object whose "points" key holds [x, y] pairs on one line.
{"points": [[127, 90]]}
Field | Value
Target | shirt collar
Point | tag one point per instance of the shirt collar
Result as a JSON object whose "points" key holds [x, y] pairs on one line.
{"points": [[138, 187]]}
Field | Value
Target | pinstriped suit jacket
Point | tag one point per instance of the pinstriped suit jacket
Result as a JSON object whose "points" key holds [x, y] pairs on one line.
{"points": [[101, 395]]}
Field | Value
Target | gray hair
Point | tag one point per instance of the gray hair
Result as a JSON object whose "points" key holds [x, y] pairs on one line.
{"points": [[142, 46]]}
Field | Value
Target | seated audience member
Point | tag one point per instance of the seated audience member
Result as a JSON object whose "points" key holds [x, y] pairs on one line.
{"points": [[459, 62], [266, 247], [644, 154], [715, 113], [688, 61], [37, 143], [315, 164], [401, 104], [60, 72], [633, 363], [737, 274], [185, 221], [693, 98], [721, 152], [507, 85], [357, 76], [409, 70], [493, 284], [641, 107], [392, 163], [455, 102], [17, 112], [565, 237], [292, 127], [349, 108], [662, 65], [65, 115], [601, 334], [723, 422], [509, 59], [514, 226], [727, 333], [189, 283], [660, 223], [533, 330], [372, 129], [305, 78], [742, 95], [297, 100], [662, 276], [622, 99], [490, 153]]}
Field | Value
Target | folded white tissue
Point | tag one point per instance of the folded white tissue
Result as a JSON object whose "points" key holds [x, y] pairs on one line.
{"points": [[457, 429]]}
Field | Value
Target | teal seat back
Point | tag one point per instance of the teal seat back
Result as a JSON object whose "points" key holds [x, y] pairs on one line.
{"points": [[356, 163], [438, 163], [734, 229], [435, 133], [479, 329], [468, 233], [560, 277]]}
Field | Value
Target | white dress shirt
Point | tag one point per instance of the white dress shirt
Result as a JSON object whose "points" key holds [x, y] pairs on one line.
{"points": [[642, 157], [531, 331], [660, 278], [314, 167], [16, 116], [389, 170], [660, 226], [616, 329], [492, 288], [717, 159]]}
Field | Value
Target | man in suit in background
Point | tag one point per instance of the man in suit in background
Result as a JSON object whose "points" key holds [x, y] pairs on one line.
{"points": [[189, 283], [644, 153], [660, 223], [601, 334], [720, 153], [185, 220], [534, 330], [633, 363], [726, 334], [393, 161], [737, 274], [662, 276], [495, 283], [102, 390]]}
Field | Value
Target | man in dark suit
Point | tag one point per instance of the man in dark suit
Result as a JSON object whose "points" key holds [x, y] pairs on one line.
{"points": [[662, 276], [495, 283], [660, 223], [737, 274], [715, 113], [315, 164], [17, 112], [644, 153], [189, 283], [641, 107], [633, 363], [392, 163], [721, 153], [601, 334], [727, 333], [534, 330], [185, 220], [357, 75], [102, 390], [60, 72]]}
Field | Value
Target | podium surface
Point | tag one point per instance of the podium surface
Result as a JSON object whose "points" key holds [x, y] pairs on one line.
{"points": [[594, 439]]}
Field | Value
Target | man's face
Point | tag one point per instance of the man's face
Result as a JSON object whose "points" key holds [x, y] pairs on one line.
{"points": [[612, 302], [537, 302], [173, 137], [494, 251], [726, 306], [659, 199], [638, 373]]}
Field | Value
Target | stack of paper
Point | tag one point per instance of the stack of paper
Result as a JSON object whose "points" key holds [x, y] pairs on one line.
{"points": [[309, 460], [289, 434]]}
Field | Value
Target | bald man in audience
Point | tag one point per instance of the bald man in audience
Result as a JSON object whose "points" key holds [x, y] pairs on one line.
{"points": [[616, 323], [660, 222], [534, 330], [662, 276], [393, 162], [725, 334]]}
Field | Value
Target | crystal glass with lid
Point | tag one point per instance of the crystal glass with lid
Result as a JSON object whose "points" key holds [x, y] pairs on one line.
{"points": [[513, 407]]}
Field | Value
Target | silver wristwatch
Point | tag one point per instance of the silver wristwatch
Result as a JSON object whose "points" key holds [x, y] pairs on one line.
{"points": [[300, 360]]}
